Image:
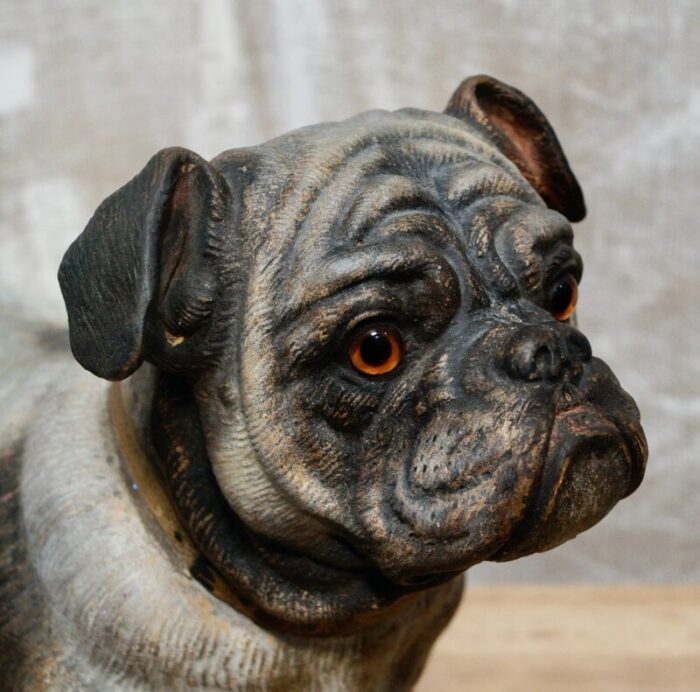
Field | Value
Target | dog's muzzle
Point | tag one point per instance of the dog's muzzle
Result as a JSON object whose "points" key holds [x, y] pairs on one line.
{"points": [[592, 462]]}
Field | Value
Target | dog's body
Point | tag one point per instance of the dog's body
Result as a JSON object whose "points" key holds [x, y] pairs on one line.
{"points": [[362, 382]]}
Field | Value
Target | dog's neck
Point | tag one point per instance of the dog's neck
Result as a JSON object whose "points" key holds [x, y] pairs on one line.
{"points": [[401, 636], [130, 407]]}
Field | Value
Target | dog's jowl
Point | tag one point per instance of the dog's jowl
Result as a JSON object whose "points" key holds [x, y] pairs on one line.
{"points": [[344, 368]]}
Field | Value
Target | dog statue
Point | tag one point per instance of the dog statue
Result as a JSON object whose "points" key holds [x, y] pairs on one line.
{"points": [[344, 371]]}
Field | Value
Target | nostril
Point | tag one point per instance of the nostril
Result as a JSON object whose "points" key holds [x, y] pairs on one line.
{"points": [[534, 354], [538, 352], [546, 363]]}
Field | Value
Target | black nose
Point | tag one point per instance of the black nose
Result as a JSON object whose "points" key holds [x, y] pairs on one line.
{"points": [[542, 352]]}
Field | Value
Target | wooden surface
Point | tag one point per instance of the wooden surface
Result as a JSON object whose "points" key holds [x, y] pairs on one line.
{"points": [[546, 638]]}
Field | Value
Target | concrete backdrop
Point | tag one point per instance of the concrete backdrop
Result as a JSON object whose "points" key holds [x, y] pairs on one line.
{"points": [[89, 90]]}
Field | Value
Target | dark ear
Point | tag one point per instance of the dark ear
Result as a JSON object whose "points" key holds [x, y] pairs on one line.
{"points": [[519, 129], [144, 252]]}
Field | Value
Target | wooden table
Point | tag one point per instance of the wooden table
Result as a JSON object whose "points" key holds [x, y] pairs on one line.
{"points": [[587, 638]]}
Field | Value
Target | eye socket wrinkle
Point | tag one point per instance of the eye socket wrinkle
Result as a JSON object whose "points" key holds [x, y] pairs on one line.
{"points": [[421, 298], [397, 260], [564, 261]]}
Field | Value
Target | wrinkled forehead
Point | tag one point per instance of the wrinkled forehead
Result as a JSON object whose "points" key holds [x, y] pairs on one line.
{"points": [[328, 188], [334, 177]]}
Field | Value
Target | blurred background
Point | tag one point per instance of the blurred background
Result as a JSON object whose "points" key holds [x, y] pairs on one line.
{"points": [[89, 90]]}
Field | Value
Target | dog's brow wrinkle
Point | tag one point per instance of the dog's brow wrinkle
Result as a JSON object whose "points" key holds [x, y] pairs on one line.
{"points": [[546, 235], [323, 195], [480, 237], [487, 262], [375, 261], [536, 243], [465, 184], [380, 196]]}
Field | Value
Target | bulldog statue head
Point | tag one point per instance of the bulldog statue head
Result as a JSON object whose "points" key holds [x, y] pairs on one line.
{"points": [[369, 376]]}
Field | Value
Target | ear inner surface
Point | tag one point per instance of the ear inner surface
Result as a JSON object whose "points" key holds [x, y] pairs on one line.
{"points": [[515, 124], [187, 282]]}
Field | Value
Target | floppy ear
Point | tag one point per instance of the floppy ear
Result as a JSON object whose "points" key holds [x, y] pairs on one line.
{"points": [[145, 252], [519, 129]]}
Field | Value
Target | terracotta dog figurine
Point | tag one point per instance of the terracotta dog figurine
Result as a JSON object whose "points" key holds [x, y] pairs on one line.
{"points": [[348, 373]]}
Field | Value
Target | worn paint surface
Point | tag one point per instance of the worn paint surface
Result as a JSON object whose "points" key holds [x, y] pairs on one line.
{"points": [[268, 512]]}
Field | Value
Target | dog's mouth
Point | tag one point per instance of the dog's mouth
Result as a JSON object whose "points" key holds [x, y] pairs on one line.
{"points": [[592, 462]]}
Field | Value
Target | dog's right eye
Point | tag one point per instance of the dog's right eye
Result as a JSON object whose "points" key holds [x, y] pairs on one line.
{"points": [[376, 350], [562, 301]]}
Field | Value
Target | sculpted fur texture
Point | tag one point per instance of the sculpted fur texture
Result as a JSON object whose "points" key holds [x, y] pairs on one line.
{"points": [[345, 370]]}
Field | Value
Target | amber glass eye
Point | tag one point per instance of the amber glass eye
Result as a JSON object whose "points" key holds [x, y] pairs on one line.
{"points": [[376, 350], [562, 300]]}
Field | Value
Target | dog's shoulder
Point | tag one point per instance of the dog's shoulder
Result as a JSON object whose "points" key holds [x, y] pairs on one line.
{"points": [[33, 355], [36, 361]]}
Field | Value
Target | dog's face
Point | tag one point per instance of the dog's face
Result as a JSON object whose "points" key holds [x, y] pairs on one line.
{"points": [[374, 318]]}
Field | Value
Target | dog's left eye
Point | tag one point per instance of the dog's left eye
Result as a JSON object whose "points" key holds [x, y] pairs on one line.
{"points": [[376, 350], [563, 297]]}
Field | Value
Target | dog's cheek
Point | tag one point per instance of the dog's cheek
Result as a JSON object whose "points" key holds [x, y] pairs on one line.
{"points": [[345, 409]]}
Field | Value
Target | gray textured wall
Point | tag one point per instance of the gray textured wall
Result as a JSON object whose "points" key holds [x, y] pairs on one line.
{"points": [[89, 90]]}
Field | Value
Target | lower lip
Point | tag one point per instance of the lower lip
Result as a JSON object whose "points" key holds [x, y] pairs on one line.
{"points": [[586, 420], [588, 468]]}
